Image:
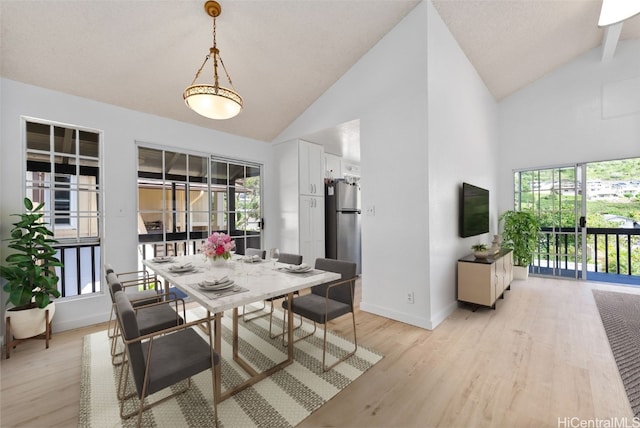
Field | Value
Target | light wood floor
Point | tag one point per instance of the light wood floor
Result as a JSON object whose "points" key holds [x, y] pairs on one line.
{"points": [[541, 356]]}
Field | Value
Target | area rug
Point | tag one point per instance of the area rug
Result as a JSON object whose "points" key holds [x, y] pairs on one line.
{"points": [[282, 400], [620, 313]]}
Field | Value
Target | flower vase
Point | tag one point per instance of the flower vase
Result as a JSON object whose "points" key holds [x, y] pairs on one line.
{"points": [[218, 262]]}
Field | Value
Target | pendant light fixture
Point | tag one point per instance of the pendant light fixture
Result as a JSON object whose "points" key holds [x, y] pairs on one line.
{"points": [[213, 101], [616, 11]]}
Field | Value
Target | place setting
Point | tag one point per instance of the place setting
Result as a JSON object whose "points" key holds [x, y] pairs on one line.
{"points": [[219, 287], [181, 269], [252, 259], [165, 259], [302, 269]]}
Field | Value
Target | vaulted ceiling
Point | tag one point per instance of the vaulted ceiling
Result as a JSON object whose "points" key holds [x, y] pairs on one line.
{"points": [[281, 54]]}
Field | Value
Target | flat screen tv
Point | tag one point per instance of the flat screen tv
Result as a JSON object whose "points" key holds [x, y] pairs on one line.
{"points": [[474, 210]]}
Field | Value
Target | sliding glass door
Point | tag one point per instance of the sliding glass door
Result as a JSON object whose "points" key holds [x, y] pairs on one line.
{"points": [[555, 196], [184, 197]]}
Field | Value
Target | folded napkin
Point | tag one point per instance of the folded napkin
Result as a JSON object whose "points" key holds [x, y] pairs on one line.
{"points": [[183, 266], [254, 258], [302, 266], [216, 281]]}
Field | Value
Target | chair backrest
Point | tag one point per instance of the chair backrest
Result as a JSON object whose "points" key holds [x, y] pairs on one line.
{"points": [[255, 252], [108, 269], [343, 292], [129, 326], [290, 259], [114, 284]]}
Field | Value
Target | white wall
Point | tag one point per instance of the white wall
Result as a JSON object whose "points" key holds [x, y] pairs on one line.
{"points": [[463, 136], [122, 128], [559, 120], [422, 109]]}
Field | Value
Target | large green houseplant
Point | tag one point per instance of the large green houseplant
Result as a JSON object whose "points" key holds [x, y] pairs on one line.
{"points": [[520, 234], [31, 279]]}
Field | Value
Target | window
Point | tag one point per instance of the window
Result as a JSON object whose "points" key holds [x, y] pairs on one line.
{"points": [[63, 172], [184, 197]]}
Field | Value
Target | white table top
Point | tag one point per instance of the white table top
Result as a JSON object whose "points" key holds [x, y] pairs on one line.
{"points": [[261, 280]]}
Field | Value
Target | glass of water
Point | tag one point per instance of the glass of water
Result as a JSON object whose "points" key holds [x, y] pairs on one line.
{"points": [[274, 255]]}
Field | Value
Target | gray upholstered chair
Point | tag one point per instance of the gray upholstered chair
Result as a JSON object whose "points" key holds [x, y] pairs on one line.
{"points": [[140, 286], [286, 258], [290, 259], [152, 316], [161, 359], [256, 252], [327, 302]]}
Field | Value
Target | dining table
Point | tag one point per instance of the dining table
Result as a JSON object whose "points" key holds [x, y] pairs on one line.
{"points": [[243, 280]]}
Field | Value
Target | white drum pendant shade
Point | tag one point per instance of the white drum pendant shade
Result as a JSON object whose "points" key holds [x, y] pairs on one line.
{"points": [[218, 104]]}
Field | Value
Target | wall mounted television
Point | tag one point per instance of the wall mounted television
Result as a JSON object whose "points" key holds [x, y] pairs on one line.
{"points": [[474, 210]]}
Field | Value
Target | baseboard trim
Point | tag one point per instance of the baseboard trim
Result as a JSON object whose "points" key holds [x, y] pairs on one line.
{"points": [[394, 315]]}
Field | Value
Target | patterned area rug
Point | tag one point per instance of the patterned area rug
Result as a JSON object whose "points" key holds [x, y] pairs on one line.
{"points": [[620, 313], [282, 400]]}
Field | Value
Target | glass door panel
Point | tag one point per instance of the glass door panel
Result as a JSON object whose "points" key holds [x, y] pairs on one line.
{"points": [[555, 196]]}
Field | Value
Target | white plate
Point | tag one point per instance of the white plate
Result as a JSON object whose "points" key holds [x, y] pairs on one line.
{"points": [[162, 259], [217, 287]]}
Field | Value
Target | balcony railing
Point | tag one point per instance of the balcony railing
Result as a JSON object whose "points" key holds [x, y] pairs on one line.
{"points": [[614, 251], [82, 271]]}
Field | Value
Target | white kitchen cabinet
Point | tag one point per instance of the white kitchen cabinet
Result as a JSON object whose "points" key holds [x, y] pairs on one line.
{"points": [[310, 168], [311, 227], [332, 166], [300, 199]]}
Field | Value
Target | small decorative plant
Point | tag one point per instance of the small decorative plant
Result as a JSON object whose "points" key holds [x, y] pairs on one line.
{"points": [[218, 246], [479, 247], [31, 281], [520, 235]]}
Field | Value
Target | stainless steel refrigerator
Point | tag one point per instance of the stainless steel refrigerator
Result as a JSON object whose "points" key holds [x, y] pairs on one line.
{"points": [[342, 221]]}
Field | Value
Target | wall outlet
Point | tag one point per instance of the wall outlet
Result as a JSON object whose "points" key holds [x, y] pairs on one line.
{"points": [[370, 210], [410, 297]]}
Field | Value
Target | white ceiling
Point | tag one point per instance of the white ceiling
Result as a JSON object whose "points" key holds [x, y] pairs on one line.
{"points": [[282, 55]]}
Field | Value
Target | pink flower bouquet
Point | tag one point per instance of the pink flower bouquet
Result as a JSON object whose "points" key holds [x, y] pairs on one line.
{"points": [[218, 246]]}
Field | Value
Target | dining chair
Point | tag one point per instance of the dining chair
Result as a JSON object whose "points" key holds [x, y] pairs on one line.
{"points": [[152, 317], [256, 252], [327, 302], [161, 359], [140, 288], [286, 258]]}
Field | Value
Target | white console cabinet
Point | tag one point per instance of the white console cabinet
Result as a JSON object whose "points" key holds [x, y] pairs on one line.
{"points": [[483, 281]]}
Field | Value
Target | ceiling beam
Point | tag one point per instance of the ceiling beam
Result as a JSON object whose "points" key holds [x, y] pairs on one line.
{"points": [[610, 41]]}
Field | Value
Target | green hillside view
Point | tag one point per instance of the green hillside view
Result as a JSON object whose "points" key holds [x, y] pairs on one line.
{"points": [[612, 201]]}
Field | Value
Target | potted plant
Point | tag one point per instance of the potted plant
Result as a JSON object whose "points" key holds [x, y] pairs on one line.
{"points": [[520, 234], [30, 274]]}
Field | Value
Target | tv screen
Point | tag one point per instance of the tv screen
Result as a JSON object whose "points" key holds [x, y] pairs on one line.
{"points": [[474, 211]]}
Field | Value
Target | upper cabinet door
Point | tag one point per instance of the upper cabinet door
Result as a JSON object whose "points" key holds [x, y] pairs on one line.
{"points": [[310, 163]]}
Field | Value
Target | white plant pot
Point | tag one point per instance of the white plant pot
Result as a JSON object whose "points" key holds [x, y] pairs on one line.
{"points": [[520, 272], [29, 322]]}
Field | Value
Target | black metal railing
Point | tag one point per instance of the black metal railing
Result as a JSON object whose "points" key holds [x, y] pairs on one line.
{"points": [[81, 272], [609, 250], [625, 243]]}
